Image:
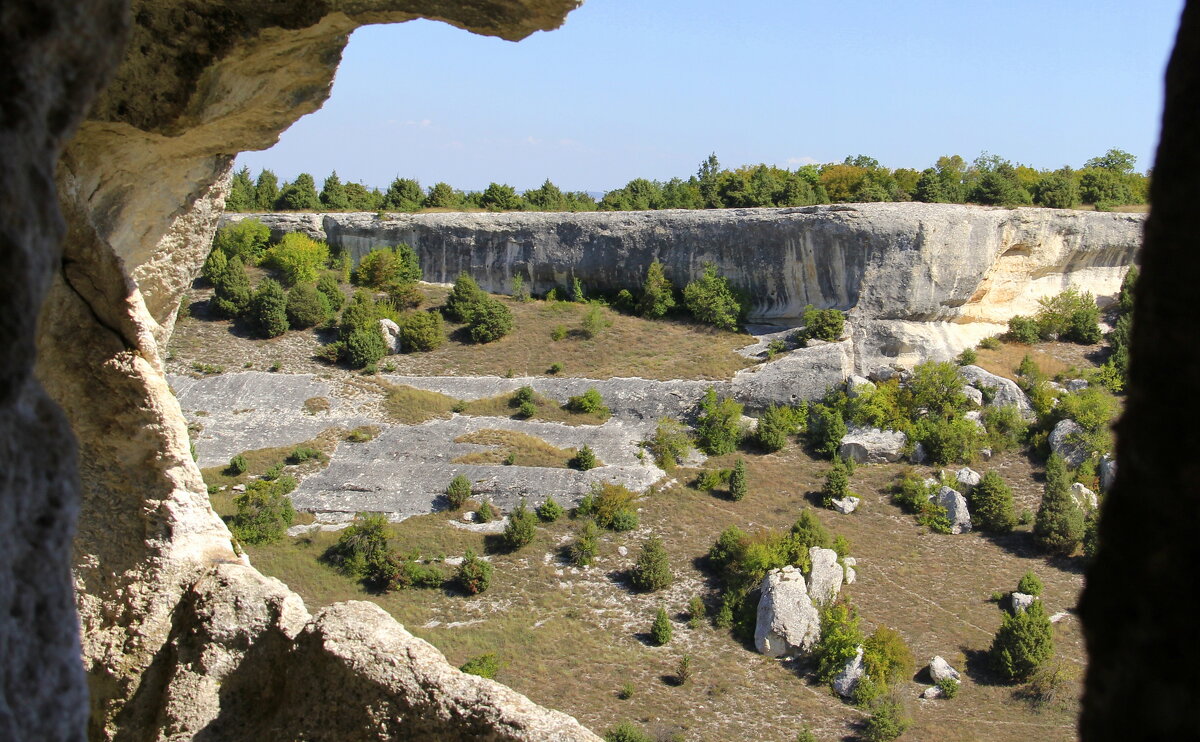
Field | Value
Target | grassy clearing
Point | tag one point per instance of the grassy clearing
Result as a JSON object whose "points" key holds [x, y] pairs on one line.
{"points": [[260, 460], [503, 405], [1052, 358], [516, 449], [546, 621], [411, 406]]}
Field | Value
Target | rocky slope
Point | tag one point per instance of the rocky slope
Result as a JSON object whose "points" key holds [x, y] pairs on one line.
{"points": [[919, 280]]}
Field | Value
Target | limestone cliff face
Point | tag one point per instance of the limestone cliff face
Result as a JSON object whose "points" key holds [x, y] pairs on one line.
{"points": [[911, 261], [173, 621]]}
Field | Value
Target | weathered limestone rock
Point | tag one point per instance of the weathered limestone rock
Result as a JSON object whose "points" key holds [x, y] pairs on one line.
{"points": [[391, 335], [846, 505], [788, 622], [975, 416], [851, 574], [1021, 601], [872, 445], [1076, 385], [974, 396], [826, 575], [846, 681], [1084, 497], [805, 373], [940, 669], [1065, 441], [1006, 390], [956, 508], [858, 385], [932, 693], [968, 478], [882, 373]]}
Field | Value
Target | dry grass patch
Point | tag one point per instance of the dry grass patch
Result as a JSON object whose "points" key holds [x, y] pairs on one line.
{"points": [[514, 448], [313, 405], [1052, 358], [363, 433], [503, 405], [411, 406]]}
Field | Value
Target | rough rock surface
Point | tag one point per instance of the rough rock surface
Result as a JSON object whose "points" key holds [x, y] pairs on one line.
{"points": [[872, 445], [846, 505], [956, 508], [1021, 601], [940, 669], [391, 335], [826, 575], [847, 679], [1084, 497], [858, 385], [968, 478], [851, 573], [788, 623], [1006, 390], [1064, 441], [140, 186]]}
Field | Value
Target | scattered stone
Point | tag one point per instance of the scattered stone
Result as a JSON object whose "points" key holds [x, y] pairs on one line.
{"points": [[749, 424], [928, 482], [1065, 440], [788, 622], [956, 509], [856, 386], [1006, 390], [1021, 601], [1055, 386], [825, 576], [974, 396], [976, 416], [469, 516], [391, 335], [622, 550], [239, 488], [1076, 385], [455, 561], [919, 455], [1108, 472], [1060, 616], [847, 680], [931, 693], [985, 454], [968, 478], [872, 445], [846, 505], [1084, 497], [882, 373], [940, 669], [851, 574]]}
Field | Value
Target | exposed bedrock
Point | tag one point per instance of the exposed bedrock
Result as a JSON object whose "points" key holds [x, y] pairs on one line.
{"points": [[886, 261], [141, 185]]}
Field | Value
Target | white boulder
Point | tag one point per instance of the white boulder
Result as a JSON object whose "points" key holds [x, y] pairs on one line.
{"points": [[847, 680], [968, 478], [1006, 391], [846, 505], [851, 574], [1084, 497], [1066, 441], [391, 335], [857, 386], [788, 622], [826, 575], [976, 416], [1021, 601], [940, 669], [1076, 385], [974, 396], [932, 692], [956, 509], [872, 445]]}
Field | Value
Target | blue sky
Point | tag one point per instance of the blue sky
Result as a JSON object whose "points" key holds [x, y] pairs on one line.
{"points": [[643, 88]]}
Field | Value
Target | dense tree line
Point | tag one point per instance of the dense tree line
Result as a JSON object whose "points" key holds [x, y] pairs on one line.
{"points": [[1106, 181]]}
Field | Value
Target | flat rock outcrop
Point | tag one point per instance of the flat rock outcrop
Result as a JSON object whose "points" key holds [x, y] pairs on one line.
{"points": [[872, 445]]}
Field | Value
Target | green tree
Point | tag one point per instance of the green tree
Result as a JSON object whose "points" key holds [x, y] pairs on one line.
{"points": [[711, 300], [214, 266], [465, 298], [992, 504], [300, 195], [938, 388], [421, 331], [442, 196], [718, 426], [1024, 643], [594, 321], [546, 198], [359, 198], [930, 189], [498, 197], [658, 295], [887, 721], [652, 571], [1057, 190], [298, 257], [840, 638], [474, 574], [266, 191], [363, 552], [264, 511], [458, 491], [232, 295], [775, 425], [670, 444], [822, 324], [521, 527], [306, 307], [1030, 584], [826, 428], [1116, 160], [737, 480], [268, 309], [333, 194], [661, 630], [708, 182], [245, 239], [404, 194], [1058, 527], [241, 192], [490, 321], [327, 284]]}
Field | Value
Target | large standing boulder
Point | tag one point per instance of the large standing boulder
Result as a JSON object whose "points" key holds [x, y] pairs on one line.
{"points": [[968, 478], [826, 575], [391, 335], [940, 669], [1005, 391], [847, 680], [956, 508], [1066, 441], [872, 445], [1084, 497], [788, 622], [1021, 601]]}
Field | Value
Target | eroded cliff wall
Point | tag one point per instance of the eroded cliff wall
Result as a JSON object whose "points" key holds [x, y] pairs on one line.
{"points": [[898, 261]]}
